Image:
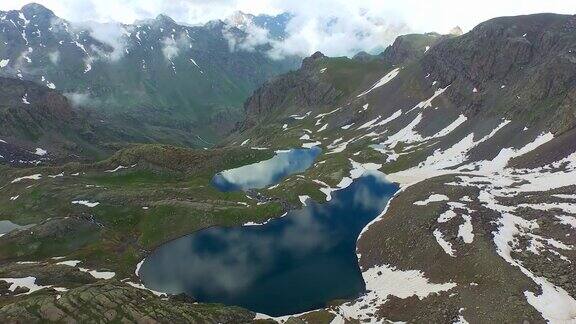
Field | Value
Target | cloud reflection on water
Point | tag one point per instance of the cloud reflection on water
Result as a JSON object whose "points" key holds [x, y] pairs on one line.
{"points": [[262, 174], [302, 260]]}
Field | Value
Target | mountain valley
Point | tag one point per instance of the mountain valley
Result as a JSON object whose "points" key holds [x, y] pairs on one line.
{"points": [[106, 159]]}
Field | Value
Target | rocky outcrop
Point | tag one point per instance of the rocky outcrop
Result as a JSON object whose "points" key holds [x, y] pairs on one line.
{"points": [[23, 99], [33, 116], [113, 301], [456, 31], [303, 89], [409, 48], [521, 67], [405, 49]]}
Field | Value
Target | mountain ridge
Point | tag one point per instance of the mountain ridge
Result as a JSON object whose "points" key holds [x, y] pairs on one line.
{"points": [[183, 75]]}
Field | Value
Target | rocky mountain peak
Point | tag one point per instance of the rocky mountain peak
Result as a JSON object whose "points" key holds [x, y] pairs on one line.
{"points": [[317, 55], [308, 62], [239, 19], [456, 31], [36, 11], [410, 47], [529, 56], [165, 20], [363, 56]]}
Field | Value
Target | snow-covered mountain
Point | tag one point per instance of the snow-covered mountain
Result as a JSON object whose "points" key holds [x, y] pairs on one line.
{"points": [[167, 76], [479, 131]]}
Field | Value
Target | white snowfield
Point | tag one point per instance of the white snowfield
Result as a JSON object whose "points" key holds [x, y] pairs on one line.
{"points": [[25, 99], [141, 286], [384, 281], [494, 179], [311, 144], [94, 273], [138, 266], [431, 199], [40, 152], [118, 168], [387, 78], [30, 177], [85, 203], [27, 282], [298, 117], [265, 222], [445, 245], [465, 231]]}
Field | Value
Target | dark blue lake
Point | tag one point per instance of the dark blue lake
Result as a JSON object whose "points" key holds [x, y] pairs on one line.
{"points": [[290, 265], [263, 174]]}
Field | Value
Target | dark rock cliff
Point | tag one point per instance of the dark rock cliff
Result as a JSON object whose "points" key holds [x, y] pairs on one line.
{"points": [[33, 116], [408, 48], [521, 67], [25, 106], [302, 88]]}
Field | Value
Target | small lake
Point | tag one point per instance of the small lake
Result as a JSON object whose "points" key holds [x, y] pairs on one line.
{"points": [[7, 226], [289, 265], [263, 174]]}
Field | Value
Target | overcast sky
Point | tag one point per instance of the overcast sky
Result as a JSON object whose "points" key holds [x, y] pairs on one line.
{"points": [[353, 24]]}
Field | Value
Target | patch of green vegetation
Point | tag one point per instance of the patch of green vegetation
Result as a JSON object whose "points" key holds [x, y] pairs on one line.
{"points": [[346, 74], [167, 222], [134, 178], [37, 248], [172, 183], [189, 162], [318, 317]]}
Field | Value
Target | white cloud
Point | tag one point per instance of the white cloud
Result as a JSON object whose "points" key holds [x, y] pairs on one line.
{"points": [[79, 99], [54, 57], [111, 34], [336, 27], [342, 30], [254, 36], [171, 46]]}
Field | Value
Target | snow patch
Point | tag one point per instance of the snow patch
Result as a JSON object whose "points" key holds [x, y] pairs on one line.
{"points": [[432, 198], [30, 177], [465, 230], [28, 282], [387, 78], [311, 145], [445, 245], [40, 152], [85, 203], [384, 281]]}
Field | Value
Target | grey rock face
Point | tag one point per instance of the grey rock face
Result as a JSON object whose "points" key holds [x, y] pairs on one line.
{"points": [[520, 66], [302, 88]]}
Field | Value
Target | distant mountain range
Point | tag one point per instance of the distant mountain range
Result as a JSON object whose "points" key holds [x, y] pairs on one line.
{"points": [[156, 74]]}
